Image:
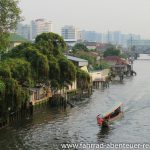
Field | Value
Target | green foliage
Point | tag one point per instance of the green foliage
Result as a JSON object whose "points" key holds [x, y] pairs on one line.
{"points": [[4, 41], [67, 71], [39, 62], [15, 94], [12, 95], [18, 69], [13, 74], [54, 70], [9, 17], [123, 55], [20, 51], [5, 71], [91, 60], [54, 85], [79, 46], [83, 79], [42, 62], [102, 65], [46, 59], [112, 52], [50, 44], [87, 56], [2, 87]]}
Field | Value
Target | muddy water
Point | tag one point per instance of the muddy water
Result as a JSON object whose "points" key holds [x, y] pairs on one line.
{"points": [[48, 129]]}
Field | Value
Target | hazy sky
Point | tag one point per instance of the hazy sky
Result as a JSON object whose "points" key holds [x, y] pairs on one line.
{"points": [[128, 16]]}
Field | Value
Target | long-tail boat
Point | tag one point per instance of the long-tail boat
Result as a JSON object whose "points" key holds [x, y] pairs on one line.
{"points": [[107, 118]]}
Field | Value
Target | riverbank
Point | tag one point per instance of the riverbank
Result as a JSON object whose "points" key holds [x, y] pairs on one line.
{"points": [[99, 80], [56, 100], [52, 127]]}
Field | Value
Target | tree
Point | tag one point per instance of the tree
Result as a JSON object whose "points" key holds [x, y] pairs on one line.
{"points": [[101, 65], [87, 56], [18, 69], [112, 52], [2, 86], [79, 46], [54, 70], [50, 44], [83, 79], [15, 95], [39, 62], [9, 17], [12, 94], [67, 72]]}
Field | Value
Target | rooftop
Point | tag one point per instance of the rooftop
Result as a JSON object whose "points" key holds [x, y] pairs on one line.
{"points": [[116, 59], [17, 38], [76, 59]]}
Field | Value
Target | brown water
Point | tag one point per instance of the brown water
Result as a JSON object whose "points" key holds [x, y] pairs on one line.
{"points": [[48, 129]]}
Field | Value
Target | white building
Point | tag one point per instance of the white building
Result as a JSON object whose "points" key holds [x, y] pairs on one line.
{"points": [[40, 26], [69, 33]]}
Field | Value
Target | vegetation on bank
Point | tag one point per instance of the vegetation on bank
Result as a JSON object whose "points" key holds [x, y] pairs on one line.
{"points": [[30, 64]]}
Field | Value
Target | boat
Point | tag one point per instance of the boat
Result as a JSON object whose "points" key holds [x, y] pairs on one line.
{"points": [[104, 120]]}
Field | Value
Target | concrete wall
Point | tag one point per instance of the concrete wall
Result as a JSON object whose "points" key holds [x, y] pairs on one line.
{"points": [[99, 75]]}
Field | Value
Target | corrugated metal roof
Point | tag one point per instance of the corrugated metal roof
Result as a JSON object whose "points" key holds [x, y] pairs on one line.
{"points": [[76, 59], [17, 38], [116, 59]]}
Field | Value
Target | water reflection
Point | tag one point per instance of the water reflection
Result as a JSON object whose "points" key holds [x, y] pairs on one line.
{"points": [[103, 134], [51, 127]]}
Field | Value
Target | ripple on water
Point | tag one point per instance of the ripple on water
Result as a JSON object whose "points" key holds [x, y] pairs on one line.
{"points": [[47, 130]]}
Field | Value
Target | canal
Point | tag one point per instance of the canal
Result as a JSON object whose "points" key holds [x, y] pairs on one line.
{"points": [[52, 127]]}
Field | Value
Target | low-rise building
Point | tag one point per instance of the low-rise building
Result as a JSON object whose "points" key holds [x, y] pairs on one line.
{"points": [[16, 40], [99, 75], [81, 63], [91, 45], [39, 93], [119, 66], [115, 60]]}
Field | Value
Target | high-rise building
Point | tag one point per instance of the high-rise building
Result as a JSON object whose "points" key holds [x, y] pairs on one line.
{"points": [[112, 37], [23, 30], [78, 35], [118, 38], [128, 37], [40, 26], [69, 32], [91, 36]]}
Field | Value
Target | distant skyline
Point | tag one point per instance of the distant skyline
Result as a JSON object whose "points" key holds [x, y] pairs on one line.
{"points": [[128, 16]]}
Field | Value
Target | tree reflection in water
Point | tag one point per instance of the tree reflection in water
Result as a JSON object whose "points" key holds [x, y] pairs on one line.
{"points": [[103, 134]]}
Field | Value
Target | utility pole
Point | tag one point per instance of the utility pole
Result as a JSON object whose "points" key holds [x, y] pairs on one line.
{"points": [[131, 43], [100, 58]]}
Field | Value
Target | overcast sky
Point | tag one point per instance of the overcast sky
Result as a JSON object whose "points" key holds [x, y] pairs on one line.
{"points": [[128, 16]]}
